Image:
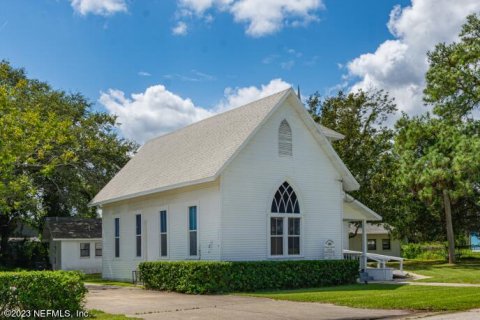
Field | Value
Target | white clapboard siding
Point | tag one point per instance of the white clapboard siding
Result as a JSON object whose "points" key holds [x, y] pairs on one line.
{"points": [[71, 260], [250, 181], [206, 197]]}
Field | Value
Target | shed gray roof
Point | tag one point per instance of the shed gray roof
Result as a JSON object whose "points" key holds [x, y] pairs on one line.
{"points": [[381, 228], [72, 228], [194, 154]]}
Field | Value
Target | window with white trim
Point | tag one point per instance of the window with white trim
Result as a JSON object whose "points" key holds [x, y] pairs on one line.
{"points": [[98, 249], [285, 139], [192, 231], [85, 250], [163, 234], [138, 235], [117, 237], [285, 222]]}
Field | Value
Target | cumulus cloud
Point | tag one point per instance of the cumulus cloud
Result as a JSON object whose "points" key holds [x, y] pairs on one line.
{"points": [[157, 111], [154, 112], [180, 29], [261, 17], [99, 7], [399, 65]]}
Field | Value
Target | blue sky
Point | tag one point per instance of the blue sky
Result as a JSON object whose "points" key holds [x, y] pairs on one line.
{"points": [[120, 47]]}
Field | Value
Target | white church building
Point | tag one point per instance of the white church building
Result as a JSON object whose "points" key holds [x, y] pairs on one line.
{"points": [[259, 182]]}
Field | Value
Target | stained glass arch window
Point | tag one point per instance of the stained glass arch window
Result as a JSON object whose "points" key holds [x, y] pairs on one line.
{"points": [[285, 200]]}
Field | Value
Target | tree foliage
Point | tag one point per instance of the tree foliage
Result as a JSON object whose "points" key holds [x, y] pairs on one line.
{"points": [[453, 79], [438, 164], [366, 149], [55, 152]]}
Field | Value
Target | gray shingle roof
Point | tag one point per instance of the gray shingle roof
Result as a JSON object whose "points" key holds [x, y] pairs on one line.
{"points": [[194, 154], [381, 228], [72, 228]]}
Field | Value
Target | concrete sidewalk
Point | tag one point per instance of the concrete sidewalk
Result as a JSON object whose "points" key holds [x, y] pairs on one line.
{"points": [[166, 305]]}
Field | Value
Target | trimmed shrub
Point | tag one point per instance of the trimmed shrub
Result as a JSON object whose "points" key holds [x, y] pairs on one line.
{"points": [[424, 251], [42, 290], [221, 276]]}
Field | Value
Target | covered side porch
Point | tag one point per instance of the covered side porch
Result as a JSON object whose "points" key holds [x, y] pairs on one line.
{"points": [[355, 211]]}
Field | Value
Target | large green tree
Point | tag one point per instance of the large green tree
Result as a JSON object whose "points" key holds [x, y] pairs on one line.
{"points": [[438, 164], [55, 152], [362, 117], [453, 79]]}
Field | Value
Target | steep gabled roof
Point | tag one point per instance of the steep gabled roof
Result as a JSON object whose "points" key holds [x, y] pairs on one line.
{"points": [[72, 228], [199, 152]]}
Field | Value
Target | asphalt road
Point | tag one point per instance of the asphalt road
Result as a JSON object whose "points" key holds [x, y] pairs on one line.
{"points": [[165, 305]]}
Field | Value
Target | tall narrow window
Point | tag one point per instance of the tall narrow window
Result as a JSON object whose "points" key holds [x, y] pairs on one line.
{"points": [[285, 139], [293, 236], [285, 222], [85, 250], [138, 234], [98, 249], [192, 231], [276, 233], [163, 233], [117, 237]]}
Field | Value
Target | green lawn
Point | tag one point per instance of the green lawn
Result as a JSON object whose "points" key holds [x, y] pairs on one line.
{"points": [[97, 278], [100, 315], [467, 271], [385, 296]]}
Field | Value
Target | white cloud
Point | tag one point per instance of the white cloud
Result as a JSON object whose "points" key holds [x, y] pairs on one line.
{"points": [[154, 112], [287, 65], [157, 111], [181, 29], [262, 17], [399, 65], [99, 7], [235, 97], [144, 74], [193, 76]]}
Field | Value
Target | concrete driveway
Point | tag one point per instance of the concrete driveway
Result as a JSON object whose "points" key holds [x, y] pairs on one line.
{"points": [[165, 305]]}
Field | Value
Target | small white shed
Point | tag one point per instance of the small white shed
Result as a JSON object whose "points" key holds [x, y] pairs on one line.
{"points": [[74, 243]]}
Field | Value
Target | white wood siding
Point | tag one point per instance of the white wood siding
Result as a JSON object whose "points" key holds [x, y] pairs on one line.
{"points": [[207, 199], [250, 181], [71, 260]]}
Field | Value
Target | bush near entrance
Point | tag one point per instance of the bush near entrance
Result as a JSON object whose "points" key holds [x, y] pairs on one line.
{"points": [[221, 276], [41, 290]]}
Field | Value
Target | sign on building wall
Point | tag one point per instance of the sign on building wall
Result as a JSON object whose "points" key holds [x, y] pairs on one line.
{"points": [[329, 250]]}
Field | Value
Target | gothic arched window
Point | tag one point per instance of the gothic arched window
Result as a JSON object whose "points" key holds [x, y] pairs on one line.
{"points": [[285, 222]]}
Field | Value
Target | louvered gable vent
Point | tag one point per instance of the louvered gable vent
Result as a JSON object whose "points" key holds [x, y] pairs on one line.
{"points": [[285, 139]]}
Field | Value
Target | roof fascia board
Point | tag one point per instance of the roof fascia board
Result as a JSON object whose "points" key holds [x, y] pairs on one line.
{"points": [[152, 191], [357, 203], [351, 183]]}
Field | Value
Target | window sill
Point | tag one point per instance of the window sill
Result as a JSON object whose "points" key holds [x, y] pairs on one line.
{"points": [[296, 256]]}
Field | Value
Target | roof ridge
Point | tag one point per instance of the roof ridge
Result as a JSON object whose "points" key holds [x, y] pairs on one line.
{"points": [[218, 115]]}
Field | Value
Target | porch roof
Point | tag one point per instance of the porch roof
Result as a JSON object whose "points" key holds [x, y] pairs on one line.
{"points": [[354, 210]]}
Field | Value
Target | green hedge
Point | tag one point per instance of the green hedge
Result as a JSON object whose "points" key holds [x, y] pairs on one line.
{"points": [[424, 251], [42, 290], [214, 276]]}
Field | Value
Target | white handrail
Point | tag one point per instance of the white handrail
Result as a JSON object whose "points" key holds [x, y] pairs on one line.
{"points": [[383, 259]]}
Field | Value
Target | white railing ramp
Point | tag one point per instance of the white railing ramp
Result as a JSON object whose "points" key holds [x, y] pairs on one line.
{"points": [[379, 273]]}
